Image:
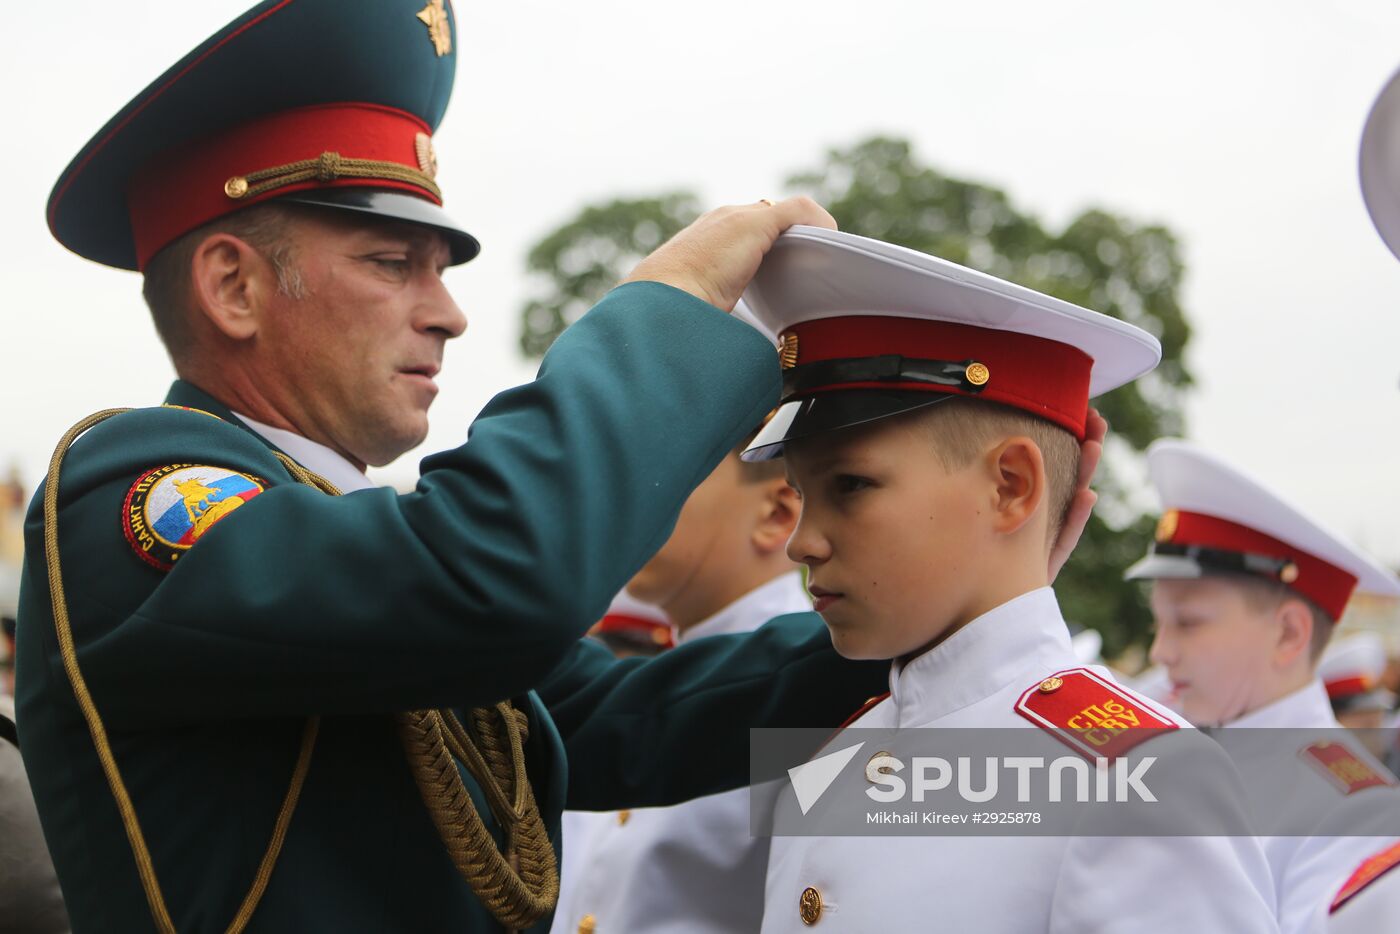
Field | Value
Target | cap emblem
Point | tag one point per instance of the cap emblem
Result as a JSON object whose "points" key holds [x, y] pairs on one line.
{"points": [[1166, 526], [434, 16], [427, 158], [787, 353]]}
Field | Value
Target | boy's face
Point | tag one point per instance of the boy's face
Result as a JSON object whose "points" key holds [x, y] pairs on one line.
{"points": [[1216, 646], [892, 538]]}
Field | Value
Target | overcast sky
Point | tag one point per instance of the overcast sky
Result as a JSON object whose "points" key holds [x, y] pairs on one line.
{"points": [[1235, 124]]}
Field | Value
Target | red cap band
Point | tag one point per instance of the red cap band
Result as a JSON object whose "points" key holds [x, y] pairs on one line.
{"points": [[1325, 584], [659, 632], [1035, 374], [184, 188], [1349, 687]]}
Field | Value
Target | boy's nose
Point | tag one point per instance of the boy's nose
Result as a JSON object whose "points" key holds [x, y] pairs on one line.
{"points": [[1161, 651], [807, 545]]}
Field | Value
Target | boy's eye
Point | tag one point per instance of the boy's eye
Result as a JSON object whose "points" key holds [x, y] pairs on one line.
{"points": [[850, 483]]}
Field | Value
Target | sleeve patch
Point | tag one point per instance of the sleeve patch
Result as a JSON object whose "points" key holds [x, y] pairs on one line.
{"points": [[1343, 768], [1371, 869], [169, 508], [1090, 714]]}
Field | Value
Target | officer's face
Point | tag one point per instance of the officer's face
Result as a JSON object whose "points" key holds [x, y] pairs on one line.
{"points": [[895, 542], [1216, 646], [357, 354]]}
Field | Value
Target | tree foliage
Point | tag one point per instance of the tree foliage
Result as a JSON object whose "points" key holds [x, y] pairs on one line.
{"points": [[879, 188], [583, 259]]}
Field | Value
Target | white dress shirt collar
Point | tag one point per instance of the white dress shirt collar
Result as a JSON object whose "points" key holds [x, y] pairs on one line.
{"points": [[1306, 708], [1022, 638], [780, 596], [315, 457]]}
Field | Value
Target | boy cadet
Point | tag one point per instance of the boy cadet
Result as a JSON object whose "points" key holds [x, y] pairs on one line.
{"points": [[248, 703], [930, 420], [695, 867], [1245, 593], [1351, 670], [1370, 899]]}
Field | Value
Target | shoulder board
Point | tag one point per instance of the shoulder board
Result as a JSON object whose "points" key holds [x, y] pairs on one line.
{"points": [[188, 408], [865, 708], [1090, 714], [1371, 869], [1347, 771]]}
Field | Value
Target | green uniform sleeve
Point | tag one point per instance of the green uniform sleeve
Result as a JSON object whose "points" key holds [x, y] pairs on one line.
{"points": [[648, 732], [469, 589]]}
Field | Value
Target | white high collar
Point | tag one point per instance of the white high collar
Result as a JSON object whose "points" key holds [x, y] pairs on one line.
{"points": [[1306, 708], [1024, 636], [782, 595], [315, 457]]}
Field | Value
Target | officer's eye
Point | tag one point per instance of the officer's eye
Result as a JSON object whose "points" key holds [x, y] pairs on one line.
{"points": [[397, 265]]}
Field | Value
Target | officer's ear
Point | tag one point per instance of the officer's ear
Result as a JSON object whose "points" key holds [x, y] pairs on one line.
{"points": [[231, 283]]}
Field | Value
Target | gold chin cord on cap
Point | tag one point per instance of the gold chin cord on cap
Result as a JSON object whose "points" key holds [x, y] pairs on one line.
{"points": [[519, 886], [328, 167]]}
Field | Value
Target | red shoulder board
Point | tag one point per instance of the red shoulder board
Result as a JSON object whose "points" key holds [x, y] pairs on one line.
{"points": [[1090, 714], [864, 709], [1371, 869], [1343, 768]]}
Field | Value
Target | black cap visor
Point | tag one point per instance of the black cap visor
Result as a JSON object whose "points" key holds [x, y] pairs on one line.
{"points": [[832, 411], [393, 205]]}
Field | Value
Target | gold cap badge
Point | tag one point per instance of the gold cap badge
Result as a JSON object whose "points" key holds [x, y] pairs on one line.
{"points": [[427, 158], [787, 351], [977, 374], [434, 16], [1166, 526]]}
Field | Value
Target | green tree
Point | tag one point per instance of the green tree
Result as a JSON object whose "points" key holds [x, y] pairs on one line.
{"points": [[879, 188], [579, 262]]}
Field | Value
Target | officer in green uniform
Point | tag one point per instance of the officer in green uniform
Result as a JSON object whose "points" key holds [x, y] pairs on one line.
{"points": [[250, 702]]}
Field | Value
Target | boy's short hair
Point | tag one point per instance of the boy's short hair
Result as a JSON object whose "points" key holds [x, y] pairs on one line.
{"points": [[1262, 594], [964, 428]]}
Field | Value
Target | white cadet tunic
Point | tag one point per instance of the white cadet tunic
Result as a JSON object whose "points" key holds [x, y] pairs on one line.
{"points": [[1011, 885], [688, 869], [1308, 871]]}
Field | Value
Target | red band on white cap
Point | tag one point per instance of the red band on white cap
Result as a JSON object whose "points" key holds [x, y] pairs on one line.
{"points": [[1325, 584], [1035, 374]]}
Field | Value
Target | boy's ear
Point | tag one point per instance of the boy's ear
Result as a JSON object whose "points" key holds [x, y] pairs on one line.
{"points": [[230, 281], [1295, 631], [1018, 470], [780, 508]]}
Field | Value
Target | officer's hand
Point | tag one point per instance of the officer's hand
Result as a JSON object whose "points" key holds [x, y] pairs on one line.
{"points": [[715, 257], [1084, 498]]}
